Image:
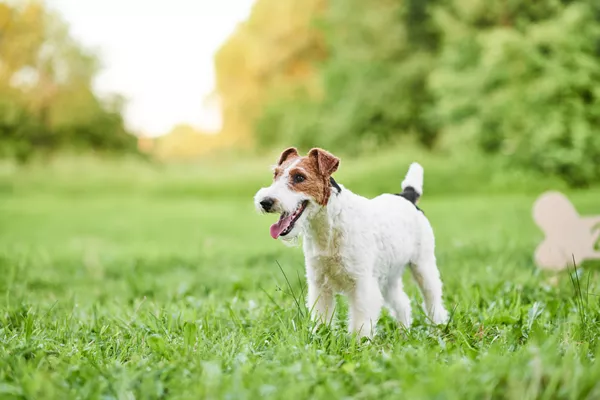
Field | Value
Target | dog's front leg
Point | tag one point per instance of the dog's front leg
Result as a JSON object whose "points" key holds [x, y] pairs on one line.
{"points": [[365, 301], [320, 303]]}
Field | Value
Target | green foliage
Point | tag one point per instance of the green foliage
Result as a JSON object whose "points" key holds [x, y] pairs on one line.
{"points": [[516, 78], [103, 129], [153, 294], [46, 97], [246, 78], [374, 79], [24, 134], [530, 93], [19, 131]]}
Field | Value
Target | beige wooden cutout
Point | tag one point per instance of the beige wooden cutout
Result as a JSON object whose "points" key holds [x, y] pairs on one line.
{"points": [[568, 236]]}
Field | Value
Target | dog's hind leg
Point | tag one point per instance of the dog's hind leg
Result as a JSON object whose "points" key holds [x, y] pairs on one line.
{"points": [[427, 275], [398, 302]]}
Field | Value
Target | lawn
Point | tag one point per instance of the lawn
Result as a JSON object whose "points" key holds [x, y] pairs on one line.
{"points": [[121, 281]]}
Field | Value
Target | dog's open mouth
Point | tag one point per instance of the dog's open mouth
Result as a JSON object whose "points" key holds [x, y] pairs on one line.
{"points": [[286, 221]]}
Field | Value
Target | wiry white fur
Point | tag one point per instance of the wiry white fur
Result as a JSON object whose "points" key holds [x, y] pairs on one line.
{"points": [[360, 247]]}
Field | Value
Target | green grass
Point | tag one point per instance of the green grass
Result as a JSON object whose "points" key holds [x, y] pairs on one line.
{"points": [[136, 281]]}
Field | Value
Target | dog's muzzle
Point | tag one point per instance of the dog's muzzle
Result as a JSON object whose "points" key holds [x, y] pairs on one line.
{"points": [[267, 204]]}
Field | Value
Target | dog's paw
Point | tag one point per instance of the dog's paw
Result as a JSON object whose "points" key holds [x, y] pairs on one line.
{"points": [[404, 319], [438, 315]]}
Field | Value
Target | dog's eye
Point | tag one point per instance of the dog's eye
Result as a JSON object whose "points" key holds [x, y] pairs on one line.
{"points": [[298, 178]]}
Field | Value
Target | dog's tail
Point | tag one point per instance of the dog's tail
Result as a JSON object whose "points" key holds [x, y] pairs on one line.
{"points": [[412, 185]]}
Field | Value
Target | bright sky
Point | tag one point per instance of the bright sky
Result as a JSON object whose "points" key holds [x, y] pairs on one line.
{"points": [[157, 53]]}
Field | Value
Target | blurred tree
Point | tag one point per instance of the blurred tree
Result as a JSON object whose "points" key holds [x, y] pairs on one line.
{"points": [[270, 55], [379, 55], [46, 88], [341, 73], [518, 78], [523, 80]]}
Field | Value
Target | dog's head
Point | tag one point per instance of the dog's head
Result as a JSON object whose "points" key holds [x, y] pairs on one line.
{"points": [[300, 188]]}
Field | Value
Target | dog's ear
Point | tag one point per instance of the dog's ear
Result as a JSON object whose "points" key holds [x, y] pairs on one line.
{"points": [[326, 162], [287, 153]]}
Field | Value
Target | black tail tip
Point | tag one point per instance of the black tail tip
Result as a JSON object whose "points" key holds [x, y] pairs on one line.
{"points": [[410, 194]]}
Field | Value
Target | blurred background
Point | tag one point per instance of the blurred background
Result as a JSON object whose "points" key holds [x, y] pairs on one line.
{"points": [[512, 83]]}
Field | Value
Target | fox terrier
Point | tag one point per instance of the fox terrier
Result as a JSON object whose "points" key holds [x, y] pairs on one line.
{"points": [[353, 245]]}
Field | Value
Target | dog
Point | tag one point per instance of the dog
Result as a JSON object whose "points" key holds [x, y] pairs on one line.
{"points": [[352, 245]]}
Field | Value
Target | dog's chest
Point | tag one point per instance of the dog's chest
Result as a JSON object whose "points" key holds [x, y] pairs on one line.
{"points": [[329, 271], [327, 255]]}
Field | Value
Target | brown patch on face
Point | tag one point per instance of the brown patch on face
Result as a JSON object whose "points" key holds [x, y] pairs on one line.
{"points": [[311, 175], [288, 153], [286, 157], [327, 163]]}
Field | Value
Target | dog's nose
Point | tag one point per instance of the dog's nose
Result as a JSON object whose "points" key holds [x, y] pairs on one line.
{"points": [[267, 203]]}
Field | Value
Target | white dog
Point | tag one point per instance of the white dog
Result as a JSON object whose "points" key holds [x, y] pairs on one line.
{"points": [[354, 245]]}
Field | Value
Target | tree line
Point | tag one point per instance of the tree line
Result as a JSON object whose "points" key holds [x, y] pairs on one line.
{"points": [[47, 102], [520, 79]]}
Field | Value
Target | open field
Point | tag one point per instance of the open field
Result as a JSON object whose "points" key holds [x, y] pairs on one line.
{"points": [[136, 281]]}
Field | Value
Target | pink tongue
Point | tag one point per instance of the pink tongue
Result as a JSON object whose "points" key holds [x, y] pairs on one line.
{"points": [[280, 226]]}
